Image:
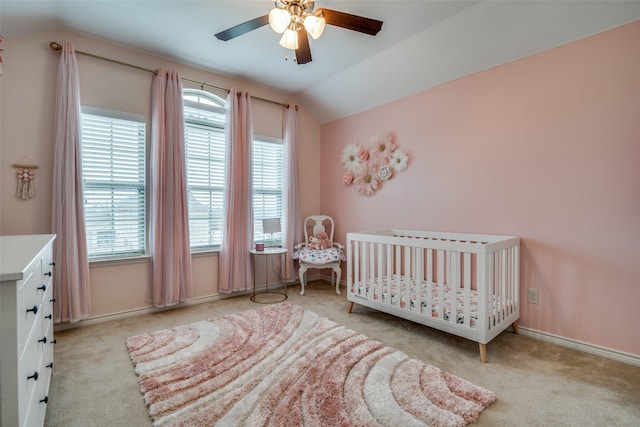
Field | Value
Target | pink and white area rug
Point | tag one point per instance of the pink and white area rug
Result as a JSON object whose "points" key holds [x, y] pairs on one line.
{"points": [[281, 365]]}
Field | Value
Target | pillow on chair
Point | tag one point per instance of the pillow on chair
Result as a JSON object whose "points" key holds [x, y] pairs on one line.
{"points": [[322, 256]]}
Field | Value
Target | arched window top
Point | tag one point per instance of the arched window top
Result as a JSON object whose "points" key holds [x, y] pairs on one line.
{"points": [[202, 98], [203, 107]]}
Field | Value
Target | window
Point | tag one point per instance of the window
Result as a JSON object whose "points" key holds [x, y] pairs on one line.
{"points": [[204, 116], [205, 147], [113, 169], [268, 184]]}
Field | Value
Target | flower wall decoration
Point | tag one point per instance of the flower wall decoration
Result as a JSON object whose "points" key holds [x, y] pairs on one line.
{"points": [[25, 174], [368, 168]]}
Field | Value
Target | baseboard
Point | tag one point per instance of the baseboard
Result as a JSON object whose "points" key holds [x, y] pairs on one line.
{"points": [[597, 350], [148, 310], [200, 300]]}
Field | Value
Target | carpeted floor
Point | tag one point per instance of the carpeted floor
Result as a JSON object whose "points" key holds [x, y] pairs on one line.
{"points": [[536, 383]]}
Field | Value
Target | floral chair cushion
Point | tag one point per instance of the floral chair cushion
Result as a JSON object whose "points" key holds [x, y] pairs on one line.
{"points": [[319, 256]]}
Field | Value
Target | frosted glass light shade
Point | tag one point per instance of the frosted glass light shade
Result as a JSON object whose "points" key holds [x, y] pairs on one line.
{"points": [[314, 25], [289, 40], [279, 19]]}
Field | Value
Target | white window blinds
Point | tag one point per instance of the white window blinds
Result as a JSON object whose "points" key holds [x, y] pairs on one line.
{"points": [[113, 168], [268, 184], [205, 152]]}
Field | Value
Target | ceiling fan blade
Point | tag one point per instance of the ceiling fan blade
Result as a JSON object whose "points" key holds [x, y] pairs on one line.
{"points": [[303, 52], [352, 22], [243, 28]]}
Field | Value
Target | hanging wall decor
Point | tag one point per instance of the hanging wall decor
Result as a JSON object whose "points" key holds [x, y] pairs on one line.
{"points": [[368, 168], [25, 175]]}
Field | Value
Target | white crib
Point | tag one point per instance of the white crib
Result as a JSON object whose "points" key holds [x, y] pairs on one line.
{"points": [[468, 283]]}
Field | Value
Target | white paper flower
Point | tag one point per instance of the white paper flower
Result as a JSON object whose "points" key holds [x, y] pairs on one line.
{"points": [[350, 159], [384, 173], [399, 160]]}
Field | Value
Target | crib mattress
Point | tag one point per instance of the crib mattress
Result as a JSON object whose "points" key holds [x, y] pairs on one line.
{"points": [[396, 295]]}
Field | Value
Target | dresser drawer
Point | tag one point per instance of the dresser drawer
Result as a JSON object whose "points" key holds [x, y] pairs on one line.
{"points": [[40, 397], [46, 266], [28, 304], [30, 373], [47, 325]]}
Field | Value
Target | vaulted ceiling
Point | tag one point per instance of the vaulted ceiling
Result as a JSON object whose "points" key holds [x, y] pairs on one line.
{"points": [[422, 43]]}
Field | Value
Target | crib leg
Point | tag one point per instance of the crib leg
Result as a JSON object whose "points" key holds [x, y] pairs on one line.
{"points": [[514, 325], [350, 306], [483, 353]]}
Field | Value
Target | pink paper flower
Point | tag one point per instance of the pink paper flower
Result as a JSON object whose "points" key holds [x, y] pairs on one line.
{"points": [[383, 147], [348, 178], [367, 181], [363, 154]]}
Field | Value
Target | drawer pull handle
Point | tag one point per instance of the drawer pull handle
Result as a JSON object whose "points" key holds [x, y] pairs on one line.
{"points": [[43, 340], [42, 288], [34, 309], [53, 341], [45, 400], [50, 365], [33, 377], [52, 300], [48, 316], [52, 263], [48, 273]]}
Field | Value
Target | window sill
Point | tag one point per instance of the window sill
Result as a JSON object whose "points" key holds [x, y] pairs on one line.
{"points": [[145, 258], [119, 261]]}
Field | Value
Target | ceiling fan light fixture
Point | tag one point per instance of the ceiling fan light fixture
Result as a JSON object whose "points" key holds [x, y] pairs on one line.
{"points": [[289, 40], [279, 19], [314, 25]]}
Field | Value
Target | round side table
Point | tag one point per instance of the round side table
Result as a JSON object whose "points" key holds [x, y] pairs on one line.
{"points": [[267, 296]]}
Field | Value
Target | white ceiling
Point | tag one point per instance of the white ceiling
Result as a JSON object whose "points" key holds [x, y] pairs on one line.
{"points": [[422, 43]]}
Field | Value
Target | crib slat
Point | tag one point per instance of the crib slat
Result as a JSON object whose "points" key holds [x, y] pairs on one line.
{"points": [[380, 275], [372, 268], [389, 273], [485, 267], [407, 278], [440, 283], [419, 263], [356, 266], [429, 304], [467, 289]]}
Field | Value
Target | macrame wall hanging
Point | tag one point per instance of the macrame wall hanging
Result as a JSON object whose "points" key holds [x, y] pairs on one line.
{"points": [[25, 175], [368, 167]]}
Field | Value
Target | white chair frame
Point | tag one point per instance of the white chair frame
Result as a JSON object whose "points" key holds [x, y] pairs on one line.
{"points": [[318, 225]]}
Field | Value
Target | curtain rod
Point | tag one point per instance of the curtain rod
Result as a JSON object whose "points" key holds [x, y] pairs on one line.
{"points": [[58, 47]]}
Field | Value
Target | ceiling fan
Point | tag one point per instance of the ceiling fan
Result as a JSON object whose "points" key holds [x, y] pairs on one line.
{"points": [[294, 18]]}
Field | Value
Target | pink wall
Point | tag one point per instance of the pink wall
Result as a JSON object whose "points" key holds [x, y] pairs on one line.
{"points": [[546, 148]]}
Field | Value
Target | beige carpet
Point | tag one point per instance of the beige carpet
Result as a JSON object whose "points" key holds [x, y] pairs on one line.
{"points": [[535, 383], [282, 365]]}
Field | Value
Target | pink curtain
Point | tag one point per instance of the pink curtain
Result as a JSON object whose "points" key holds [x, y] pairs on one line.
{"points": [[71, 273], [292, 219], [168, 216], [237, 236]]}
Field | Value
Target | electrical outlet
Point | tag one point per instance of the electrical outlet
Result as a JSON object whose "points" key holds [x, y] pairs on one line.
{"points": [[532, 296]]}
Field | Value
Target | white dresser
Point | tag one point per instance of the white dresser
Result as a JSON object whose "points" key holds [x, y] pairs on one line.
{"points": [[26, 328]]}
